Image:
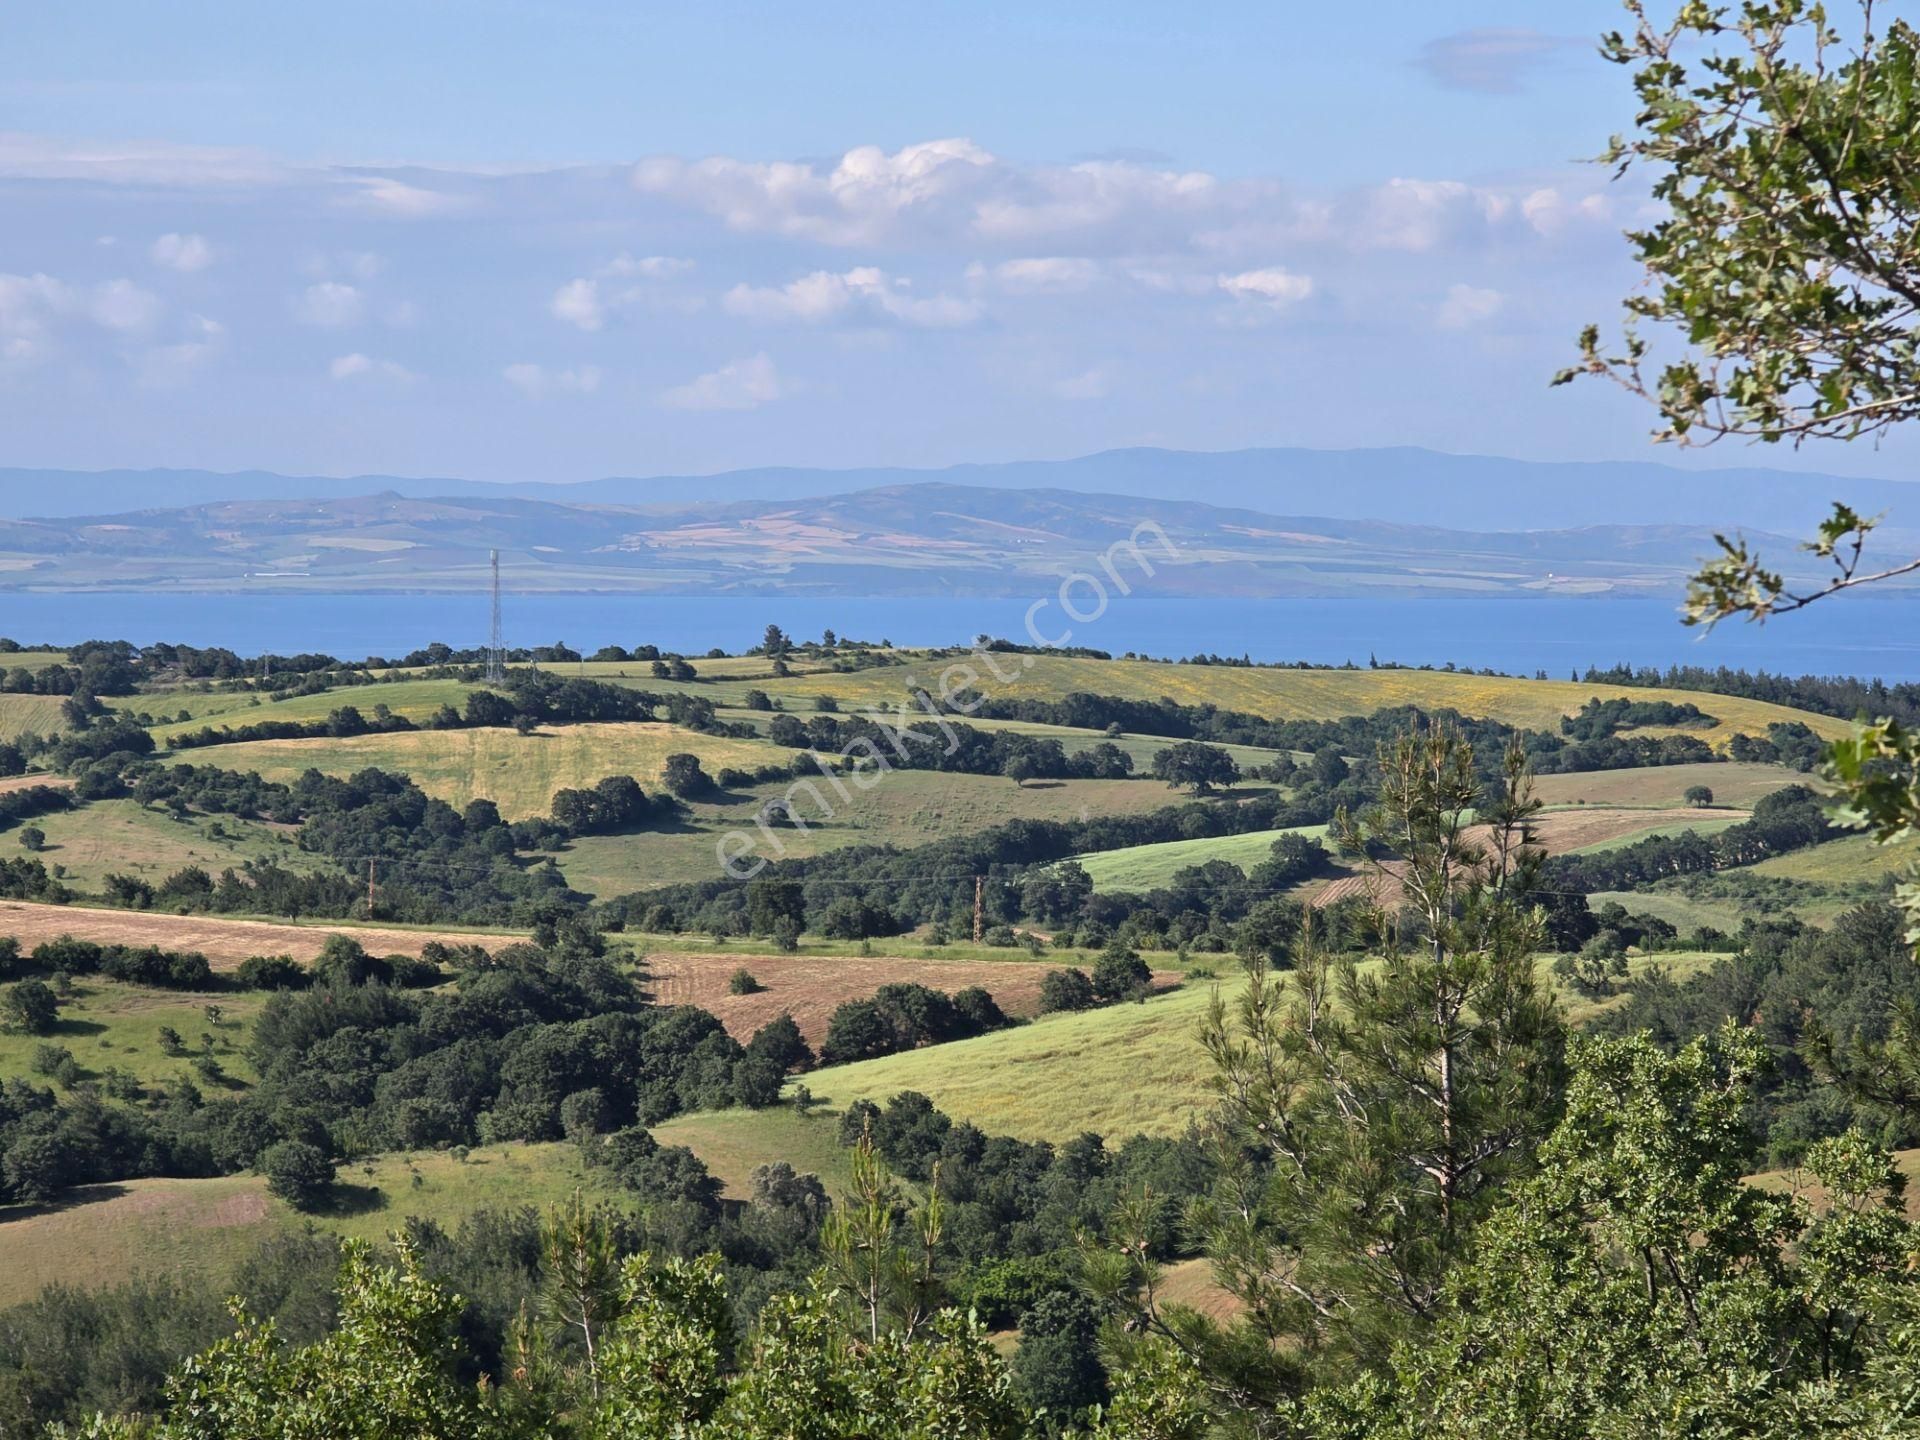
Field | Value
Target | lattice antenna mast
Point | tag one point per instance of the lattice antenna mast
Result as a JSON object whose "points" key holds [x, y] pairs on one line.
{"points": [[496, 647]]}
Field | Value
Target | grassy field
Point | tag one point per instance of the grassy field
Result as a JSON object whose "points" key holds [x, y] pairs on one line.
{"points": [[907, 807], [1301, 694], [125, 837], [1148, 867], [520, 773], [108, 1025], [1120, 1070], [415, 699], [1662, 786], [32, 659], [1852, 859], [733, 1142], [30, 715], [1128, 1068], [106, 1233], [1680, 911]]}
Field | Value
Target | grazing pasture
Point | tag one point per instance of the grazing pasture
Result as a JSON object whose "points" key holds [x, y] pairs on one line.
{"points": [[1300, 694], [907, 807], [30, 715], [1734, 783], [519, 773], [124, 837], [101, 1234]]}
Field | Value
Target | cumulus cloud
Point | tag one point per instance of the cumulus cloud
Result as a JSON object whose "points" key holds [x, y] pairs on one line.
{"points": [[622, 282], [824, 295], [537, 380], [869, 196], [36, 309], [1492, 60], [1466, 306], [357, 366], [1549, 211], [329, 305], [1044, 273], [1272, 287], [185, 253], [122, 305], [740, 385], [578, 303]]}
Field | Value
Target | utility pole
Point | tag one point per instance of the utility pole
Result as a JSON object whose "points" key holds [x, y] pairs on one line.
{"points": [[496, 648], [979, 893]]}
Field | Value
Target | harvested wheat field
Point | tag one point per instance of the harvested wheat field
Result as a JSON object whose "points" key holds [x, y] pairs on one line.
{"points": [[224, 942], [1558, 832], [812, 987]]}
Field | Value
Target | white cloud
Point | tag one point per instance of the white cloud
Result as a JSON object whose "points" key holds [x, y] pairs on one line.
{"points": [[741, 385], [1549, 212], [330, 305], [1418, 215], [137, 162], [646, 267], [1088, 385], [124, 306], [386, 196], [185, 253], [1466, 306], [587, 300], [1272, 287], [358, 366], [536, 380], [578, 303], [1047, 273], [867, 197], [824, 295]]}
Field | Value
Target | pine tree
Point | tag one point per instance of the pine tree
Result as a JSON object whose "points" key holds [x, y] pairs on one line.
{"points": [[1371, 1113]]}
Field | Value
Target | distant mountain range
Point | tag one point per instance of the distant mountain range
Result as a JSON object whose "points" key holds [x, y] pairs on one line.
{"points": [[1248, 523], [1410, 486]]}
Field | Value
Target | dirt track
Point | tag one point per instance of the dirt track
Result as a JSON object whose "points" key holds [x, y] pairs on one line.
{"points": [[812, 987], [224, 942]]}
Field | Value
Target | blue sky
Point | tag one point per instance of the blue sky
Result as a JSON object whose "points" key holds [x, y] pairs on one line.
{"points": [[559, 240]]}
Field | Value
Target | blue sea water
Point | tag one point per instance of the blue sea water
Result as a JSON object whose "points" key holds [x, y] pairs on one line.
{"points": [[1851, 635]]}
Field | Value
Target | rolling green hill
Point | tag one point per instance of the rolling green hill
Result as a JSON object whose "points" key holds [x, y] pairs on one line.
{"points": [[518, 772]]}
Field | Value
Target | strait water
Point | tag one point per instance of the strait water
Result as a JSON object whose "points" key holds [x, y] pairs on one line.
{"points": [[1852, 635]]}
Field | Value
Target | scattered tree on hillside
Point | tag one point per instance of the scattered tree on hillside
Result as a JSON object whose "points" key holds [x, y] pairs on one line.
{"points": [[1391, 1106], [1197, 766]]}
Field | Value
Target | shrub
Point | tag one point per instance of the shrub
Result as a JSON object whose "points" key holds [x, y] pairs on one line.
{"points": [[742, 982], [299, 1173], [1120, 974], [271, 972], [1067, 989], [32, 1007]]}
